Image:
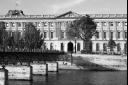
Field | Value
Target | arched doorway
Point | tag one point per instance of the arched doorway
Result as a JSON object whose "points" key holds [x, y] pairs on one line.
{"points": [[70, 47]]}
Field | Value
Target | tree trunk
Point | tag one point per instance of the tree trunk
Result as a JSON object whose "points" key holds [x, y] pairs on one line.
{"points": [[88, 46]]}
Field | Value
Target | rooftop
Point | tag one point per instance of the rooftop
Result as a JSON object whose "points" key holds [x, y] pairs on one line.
{"points": [[19, 14]]}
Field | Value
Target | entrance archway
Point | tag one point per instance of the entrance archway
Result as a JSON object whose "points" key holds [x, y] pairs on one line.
{"points": [[70, 47]]}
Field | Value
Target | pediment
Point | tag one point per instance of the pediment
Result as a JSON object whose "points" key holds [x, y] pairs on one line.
{"points": [[69, 14]]}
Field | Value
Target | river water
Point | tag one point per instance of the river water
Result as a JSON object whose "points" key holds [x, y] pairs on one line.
{"points": [[71, 77]]}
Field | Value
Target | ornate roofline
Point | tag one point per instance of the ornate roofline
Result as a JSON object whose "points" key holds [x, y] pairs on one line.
{"points": [[95, 16]]}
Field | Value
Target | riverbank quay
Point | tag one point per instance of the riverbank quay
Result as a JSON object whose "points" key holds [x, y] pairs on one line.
{"points": [[96, 62]]}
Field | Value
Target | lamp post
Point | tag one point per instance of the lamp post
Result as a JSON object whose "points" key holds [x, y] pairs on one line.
{"points": [[75, 43]]}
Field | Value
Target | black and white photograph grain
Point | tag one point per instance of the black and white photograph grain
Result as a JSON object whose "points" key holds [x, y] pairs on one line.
{"points": [[63, 42]]}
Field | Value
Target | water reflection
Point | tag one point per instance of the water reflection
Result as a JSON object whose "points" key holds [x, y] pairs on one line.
{"points": [[77, 78]]}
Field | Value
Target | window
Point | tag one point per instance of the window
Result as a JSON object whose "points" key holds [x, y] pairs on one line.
{"points": [[62, 47], [12, 34], [118, 47], [111, 35], [62, 35], [36, 23], [51, 46], [78, 46], [98, 24], [19, 24], [125, 23], [7, 24], [104, 35], [45, 48], [39, 24], [118, 35], [51, 24], [19, 34], [105, 47], [52, 35], [45, 24], [125, 48], [97, 47], [104, 24], [119, 24], [24, 24], [45, 34], [13, 24], [126, 35], [97, 35], [111, 23]]}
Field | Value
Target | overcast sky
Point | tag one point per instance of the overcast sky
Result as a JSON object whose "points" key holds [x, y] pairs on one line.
{"points": [[61, 6]]}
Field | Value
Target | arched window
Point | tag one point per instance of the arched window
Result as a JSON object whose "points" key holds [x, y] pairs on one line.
{"points": [[78, 46], [97, 47], [105, 47], [118, 47], [51, 46], [62, 47]]}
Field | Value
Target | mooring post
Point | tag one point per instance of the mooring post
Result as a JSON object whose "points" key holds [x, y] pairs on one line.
{"points": [[71, 59]]}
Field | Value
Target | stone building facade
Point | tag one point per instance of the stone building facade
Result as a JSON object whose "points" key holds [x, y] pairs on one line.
{"points": [[54, 29]]}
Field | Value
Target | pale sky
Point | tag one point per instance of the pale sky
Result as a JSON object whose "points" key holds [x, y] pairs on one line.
{"points": [[39, 7]]}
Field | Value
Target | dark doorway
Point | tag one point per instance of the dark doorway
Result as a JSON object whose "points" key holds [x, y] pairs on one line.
{"points": [[70, 47]]}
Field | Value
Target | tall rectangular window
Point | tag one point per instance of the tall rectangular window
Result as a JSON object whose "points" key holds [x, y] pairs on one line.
{"points": [[125, 23], [104, 35], [97, 35], [111, 23], [118, 35], [104, 23], [13, 24], [97, 47], [52, 35], [111, 35], [45, 24], [7, 24], [51, 24], [62, 35], [98, 24], [118, 24], [19, 24], [45, 34], [36, 24], [39, 24], [125, 35]]}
